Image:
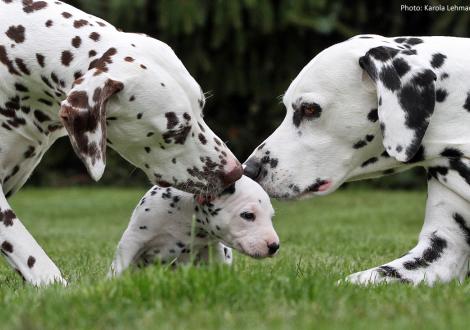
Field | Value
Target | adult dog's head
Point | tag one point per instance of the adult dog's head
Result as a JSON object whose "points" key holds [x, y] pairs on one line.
{"points": [[358, 108], [139, 99]]}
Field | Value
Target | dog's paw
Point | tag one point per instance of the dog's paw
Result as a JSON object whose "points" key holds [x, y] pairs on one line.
{"points": [[377, 275], [367, 277]]}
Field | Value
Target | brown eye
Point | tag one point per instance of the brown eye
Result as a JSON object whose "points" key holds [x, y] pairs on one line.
{"points": [[311, 110]]}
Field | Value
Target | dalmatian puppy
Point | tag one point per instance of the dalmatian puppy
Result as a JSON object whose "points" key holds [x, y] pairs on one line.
{"points": [[66, 73], [373, 106], [162, 227]]}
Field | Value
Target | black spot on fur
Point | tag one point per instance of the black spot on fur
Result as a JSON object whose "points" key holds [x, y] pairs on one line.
{"points": [[430, 254], [441, 95], [466, 105], [401, 66], [437, 60], [388, 76], [463, 226], [389, 271], [359, 144], [369, 161], [435, 170], [7, 247], [373, 115], [31, 261]]}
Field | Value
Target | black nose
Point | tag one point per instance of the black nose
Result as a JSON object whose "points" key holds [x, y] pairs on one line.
{"points": [[273, 247], [252, 168]]}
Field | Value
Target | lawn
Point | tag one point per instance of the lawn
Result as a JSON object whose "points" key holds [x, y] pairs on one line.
{"points": [[322, 240]]}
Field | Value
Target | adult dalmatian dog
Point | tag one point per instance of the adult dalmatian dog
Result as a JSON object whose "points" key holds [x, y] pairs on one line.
{"points": [[64, 72], [372, 106], [162, 228]]}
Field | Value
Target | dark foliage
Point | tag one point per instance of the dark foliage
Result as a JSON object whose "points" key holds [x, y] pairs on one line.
{"points": [[245, 53]]}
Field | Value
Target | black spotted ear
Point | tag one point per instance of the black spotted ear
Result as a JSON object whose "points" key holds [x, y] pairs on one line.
{"points": [[406, 96], [83, 114]]}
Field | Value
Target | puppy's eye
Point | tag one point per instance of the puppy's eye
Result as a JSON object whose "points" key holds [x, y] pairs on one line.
{"points": [[249, 216], [310, 110]]}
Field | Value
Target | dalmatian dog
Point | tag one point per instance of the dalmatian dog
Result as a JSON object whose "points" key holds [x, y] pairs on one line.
{"points": [[373, 106], [162, 228], [64, 72]]}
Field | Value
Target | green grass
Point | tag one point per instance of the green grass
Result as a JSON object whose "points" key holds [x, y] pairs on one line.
{"points": [[322, 241]]}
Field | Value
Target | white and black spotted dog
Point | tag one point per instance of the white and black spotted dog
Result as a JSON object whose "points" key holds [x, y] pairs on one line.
{"points": [[162, 227], [64, 72], [373, 106]]}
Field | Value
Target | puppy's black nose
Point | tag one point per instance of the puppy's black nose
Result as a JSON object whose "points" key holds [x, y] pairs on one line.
{"points": [[272, 248], [252, 168]]}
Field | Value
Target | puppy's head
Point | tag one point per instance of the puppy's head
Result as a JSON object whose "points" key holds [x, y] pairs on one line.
{"points": [[241, 217]]}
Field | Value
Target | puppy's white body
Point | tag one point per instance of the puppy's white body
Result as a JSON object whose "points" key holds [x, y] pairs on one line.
{"points": [[169, 225]]}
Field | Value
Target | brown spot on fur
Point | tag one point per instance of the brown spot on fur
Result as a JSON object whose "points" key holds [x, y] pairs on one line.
{"points": [[66, 14], [143, 66], [103, 61], [16, 33], [95, 36], [40, 59], [41, 116], [128, 59], [7, 217], [66, 57], [30, 6], [91, 53], [7, 62], [202, 138], [48, 23], [76, 41], [172, 120], [22, 66], [78, 99], [80, 23]]}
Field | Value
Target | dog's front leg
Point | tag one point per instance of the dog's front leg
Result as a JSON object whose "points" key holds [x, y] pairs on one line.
{"points": [[216, 252], [22, 251], [443, 249]]}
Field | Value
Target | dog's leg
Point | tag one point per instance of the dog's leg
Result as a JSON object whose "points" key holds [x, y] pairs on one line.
{"points": [[216, 252], [129, 247], [22, 251], [443, 249]]}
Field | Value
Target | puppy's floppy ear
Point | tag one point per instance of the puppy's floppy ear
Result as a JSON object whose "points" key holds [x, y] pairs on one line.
{"points": [[406, 96], [83, 114]]}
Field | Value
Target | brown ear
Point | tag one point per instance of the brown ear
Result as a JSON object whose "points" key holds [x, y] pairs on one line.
{"points": [[83, 113]]}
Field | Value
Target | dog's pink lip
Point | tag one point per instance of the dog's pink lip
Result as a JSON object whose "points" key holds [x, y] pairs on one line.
{"points": [[324, 187]]}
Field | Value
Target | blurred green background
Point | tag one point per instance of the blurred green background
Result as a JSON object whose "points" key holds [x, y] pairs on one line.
{"points": [[245, 53]]}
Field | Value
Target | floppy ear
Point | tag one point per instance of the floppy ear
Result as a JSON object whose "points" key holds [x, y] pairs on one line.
{"points": [[83, 113], [406, 96]]}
